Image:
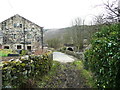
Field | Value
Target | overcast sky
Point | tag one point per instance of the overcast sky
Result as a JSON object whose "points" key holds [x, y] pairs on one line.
{"points": [[51, 13]]}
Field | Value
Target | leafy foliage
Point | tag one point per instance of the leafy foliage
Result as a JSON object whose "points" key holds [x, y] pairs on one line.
{"points": [[24, 52], [17, 73], [104, 56], [5, 52]]}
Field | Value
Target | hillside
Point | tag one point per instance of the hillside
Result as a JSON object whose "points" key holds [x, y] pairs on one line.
{"points": [[69, 35]]}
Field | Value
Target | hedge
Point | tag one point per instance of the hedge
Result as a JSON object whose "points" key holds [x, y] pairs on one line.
{"points": [[104, 56], [18, 72]]}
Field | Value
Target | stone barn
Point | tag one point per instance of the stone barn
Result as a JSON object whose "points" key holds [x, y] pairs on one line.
{"points": [[19, 33]]}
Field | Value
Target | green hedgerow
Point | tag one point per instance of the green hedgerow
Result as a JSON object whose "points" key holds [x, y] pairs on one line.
{"points": [[104, 56]]}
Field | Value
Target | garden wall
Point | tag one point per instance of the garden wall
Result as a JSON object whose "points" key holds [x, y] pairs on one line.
{"points": [[18, 72]]}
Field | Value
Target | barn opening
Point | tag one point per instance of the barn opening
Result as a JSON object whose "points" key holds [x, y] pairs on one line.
{"points": [[70, 49]]}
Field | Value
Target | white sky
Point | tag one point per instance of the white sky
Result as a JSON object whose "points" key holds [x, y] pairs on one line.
{"points": [[50, 13]]}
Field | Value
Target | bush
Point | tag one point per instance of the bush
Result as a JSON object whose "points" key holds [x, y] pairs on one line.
{"points": [[24, 52], [104, 56], [18, 73]]}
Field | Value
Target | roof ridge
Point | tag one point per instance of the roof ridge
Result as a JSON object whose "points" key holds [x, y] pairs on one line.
{"points": [[23, 18]]}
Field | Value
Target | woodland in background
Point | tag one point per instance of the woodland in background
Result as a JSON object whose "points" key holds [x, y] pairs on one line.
{"points": [[79, 32], [75, 36]]}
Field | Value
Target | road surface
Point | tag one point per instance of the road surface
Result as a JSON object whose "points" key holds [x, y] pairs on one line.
{"points": [[61, 57]]}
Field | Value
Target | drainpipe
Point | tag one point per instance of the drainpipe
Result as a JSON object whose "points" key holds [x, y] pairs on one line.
{"points": [[42, 37], [24, 35]]}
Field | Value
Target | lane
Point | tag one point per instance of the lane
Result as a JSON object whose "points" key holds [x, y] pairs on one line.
{"points": [[61, 57]]}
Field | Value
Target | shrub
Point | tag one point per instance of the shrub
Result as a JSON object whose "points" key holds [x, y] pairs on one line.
{"points": [[24, 52], [104, 56], [18, 73]]}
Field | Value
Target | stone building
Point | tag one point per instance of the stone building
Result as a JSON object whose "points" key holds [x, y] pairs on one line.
{"points": [[1, 40], [20, 33]]}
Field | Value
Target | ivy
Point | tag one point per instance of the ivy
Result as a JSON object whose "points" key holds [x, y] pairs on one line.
{"points": [[104, 57]]}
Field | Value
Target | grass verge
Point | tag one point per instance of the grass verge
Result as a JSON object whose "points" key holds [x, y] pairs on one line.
{"points": [[53, 78], [90, 80]]}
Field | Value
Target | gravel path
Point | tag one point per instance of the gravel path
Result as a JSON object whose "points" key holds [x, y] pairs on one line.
{"points": [[61, 57]]}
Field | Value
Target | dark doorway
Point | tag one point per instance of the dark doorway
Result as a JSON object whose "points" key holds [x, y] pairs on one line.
{"points": [[70, 49], [6, 47], [19, 47]]}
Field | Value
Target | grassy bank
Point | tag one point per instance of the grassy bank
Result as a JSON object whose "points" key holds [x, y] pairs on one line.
{"points": [[90, 81]]}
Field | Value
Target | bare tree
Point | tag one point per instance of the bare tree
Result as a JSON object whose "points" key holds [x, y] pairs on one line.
{"points": [[77, 34], [119, 10], [112, 14], [113, 10]]}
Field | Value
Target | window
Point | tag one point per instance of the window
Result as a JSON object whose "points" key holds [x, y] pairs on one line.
{"points": [[20, 25], [28, 47], [6, 47], [15, 25], [14, 36], [11, 35], [19, 47], [3, 25], [28, 36]]}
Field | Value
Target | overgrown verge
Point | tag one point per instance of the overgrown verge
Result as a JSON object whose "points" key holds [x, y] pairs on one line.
{"points": [[104, 57], [25, 72], [67, 75], [87, 75]]}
